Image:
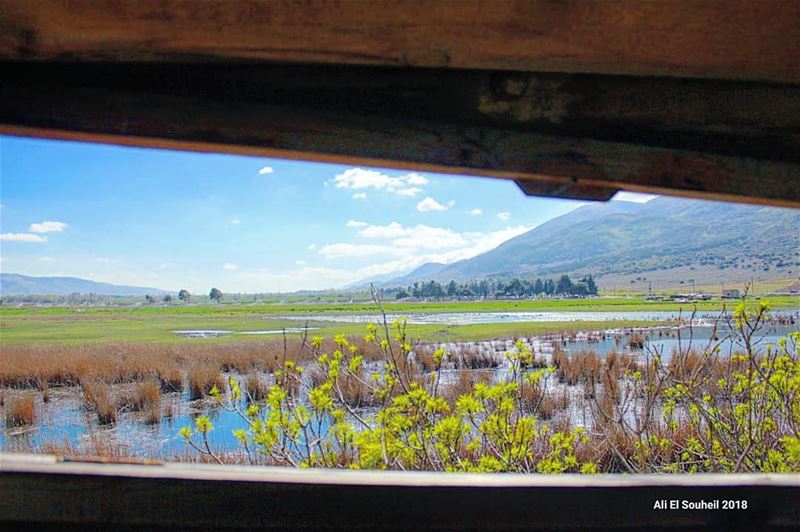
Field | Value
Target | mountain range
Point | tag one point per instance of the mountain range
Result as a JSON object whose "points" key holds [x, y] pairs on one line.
{"points": [[14, 284], [710, 241]]}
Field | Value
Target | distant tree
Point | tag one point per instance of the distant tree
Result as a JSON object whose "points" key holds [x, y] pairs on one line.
{"points": [[184, 295], [167, 299], [538, 286], [149, 299], [215, 295], [549, 287], [564, 285], [591, 286], [401, 294], [452, 289]]}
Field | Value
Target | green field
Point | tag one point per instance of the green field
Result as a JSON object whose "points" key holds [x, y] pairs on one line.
{"points": [[49, 325]]}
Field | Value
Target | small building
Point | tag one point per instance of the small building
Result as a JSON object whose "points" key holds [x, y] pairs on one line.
{"points": [[732, 293]]}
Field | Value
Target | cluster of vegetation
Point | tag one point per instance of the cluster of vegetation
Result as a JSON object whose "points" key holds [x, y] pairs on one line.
{"points": [[496, 288], [697, 411]]}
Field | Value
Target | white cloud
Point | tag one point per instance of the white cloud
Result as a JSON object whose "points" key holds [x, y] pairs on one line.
{"points": [[46, 259], [236, 221], [430, 204], [230, 267], [409, 192], [336, 251], [266, 170], [416, 179], [418, 237], [47, 227], [426, 237], [300, 263], [476, 243], [361, 178], [354, 223], [393, 230], [360, 195], [504, 215], [312, 247], [476, 212], [23, 237], [635, 197], [417, 245]]}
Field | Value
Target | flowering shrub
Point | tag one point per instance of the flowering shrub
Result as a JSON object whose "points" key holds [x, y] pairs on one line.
{"points": [[700, 411]]}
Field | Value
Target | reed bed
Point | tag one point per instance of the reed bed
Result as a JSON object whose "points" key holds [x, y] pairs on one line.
{"points": [[40, 366], [148, 400], [203, 376], [97, 397], [21, 411]]}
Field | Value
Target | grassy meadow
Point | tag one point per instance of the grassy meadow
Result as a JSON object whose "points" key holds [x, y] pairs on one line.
{"points": [[48, 325]]}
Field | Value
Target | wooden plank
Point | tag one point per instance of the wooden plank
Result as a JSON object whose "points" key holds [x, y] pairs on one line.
{"points": [[38, 490], [437, 121], [725, 39]]}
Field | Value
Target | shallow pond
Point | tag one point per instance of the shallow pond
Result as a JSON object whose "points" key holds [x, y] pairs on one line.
{"points": [[64, 420], [471, 318], [216, 333]]}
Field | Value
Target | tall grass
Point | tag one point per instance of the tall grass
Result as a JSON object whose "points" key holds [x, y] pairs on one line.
{"points": [[21, 411], [97, 397], [148, 400], [203, 376]]}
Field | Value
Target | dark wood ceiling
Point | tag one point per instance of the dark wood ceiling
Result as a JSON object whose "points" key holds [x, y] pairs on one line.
{"points": [[570, 98]]}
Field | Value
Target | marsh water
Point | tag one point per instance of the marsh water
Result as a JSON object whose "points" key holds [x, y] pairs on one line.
{"points": [[473, 318], [63, 420]]}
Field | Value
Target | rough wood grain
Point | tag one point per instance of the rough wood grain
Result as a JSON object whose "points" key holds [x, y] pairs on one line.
{"points": [[726, 39], [429, 120]]}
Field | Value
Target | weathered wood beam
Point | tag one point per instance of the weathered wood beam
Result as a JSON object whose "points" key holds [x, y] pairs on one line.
{"points": [[720, 140], [725, 39], [39, 491]]}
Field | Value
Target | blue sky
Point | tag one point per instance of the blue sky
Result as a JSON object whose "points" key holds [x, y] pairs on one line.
{"points": [[174, 220]]}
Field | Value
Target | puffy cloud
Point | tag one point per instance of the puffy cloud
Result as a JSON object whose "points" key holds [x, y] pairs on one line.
{"points": [[393, 230], [476, 212], [23, 237], [475, 244], [312, 247], [416, 179], [425, 237], [416, 243], [421, 236], [409, 192], [47, 227], [236, 221], [361, 178], [504, 215], [430, 204], [354, 223], [266, 170], [230, 267], [360, 195]]}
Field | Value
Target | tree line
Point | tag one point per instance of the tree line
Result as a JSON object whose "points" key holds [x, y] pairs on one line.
{"points": [[496, 288]]}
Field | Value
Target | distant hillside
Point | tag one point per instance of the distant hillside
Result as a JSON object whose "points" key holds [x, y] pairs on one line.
{"points": [[14, 284], [708, 241]]}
